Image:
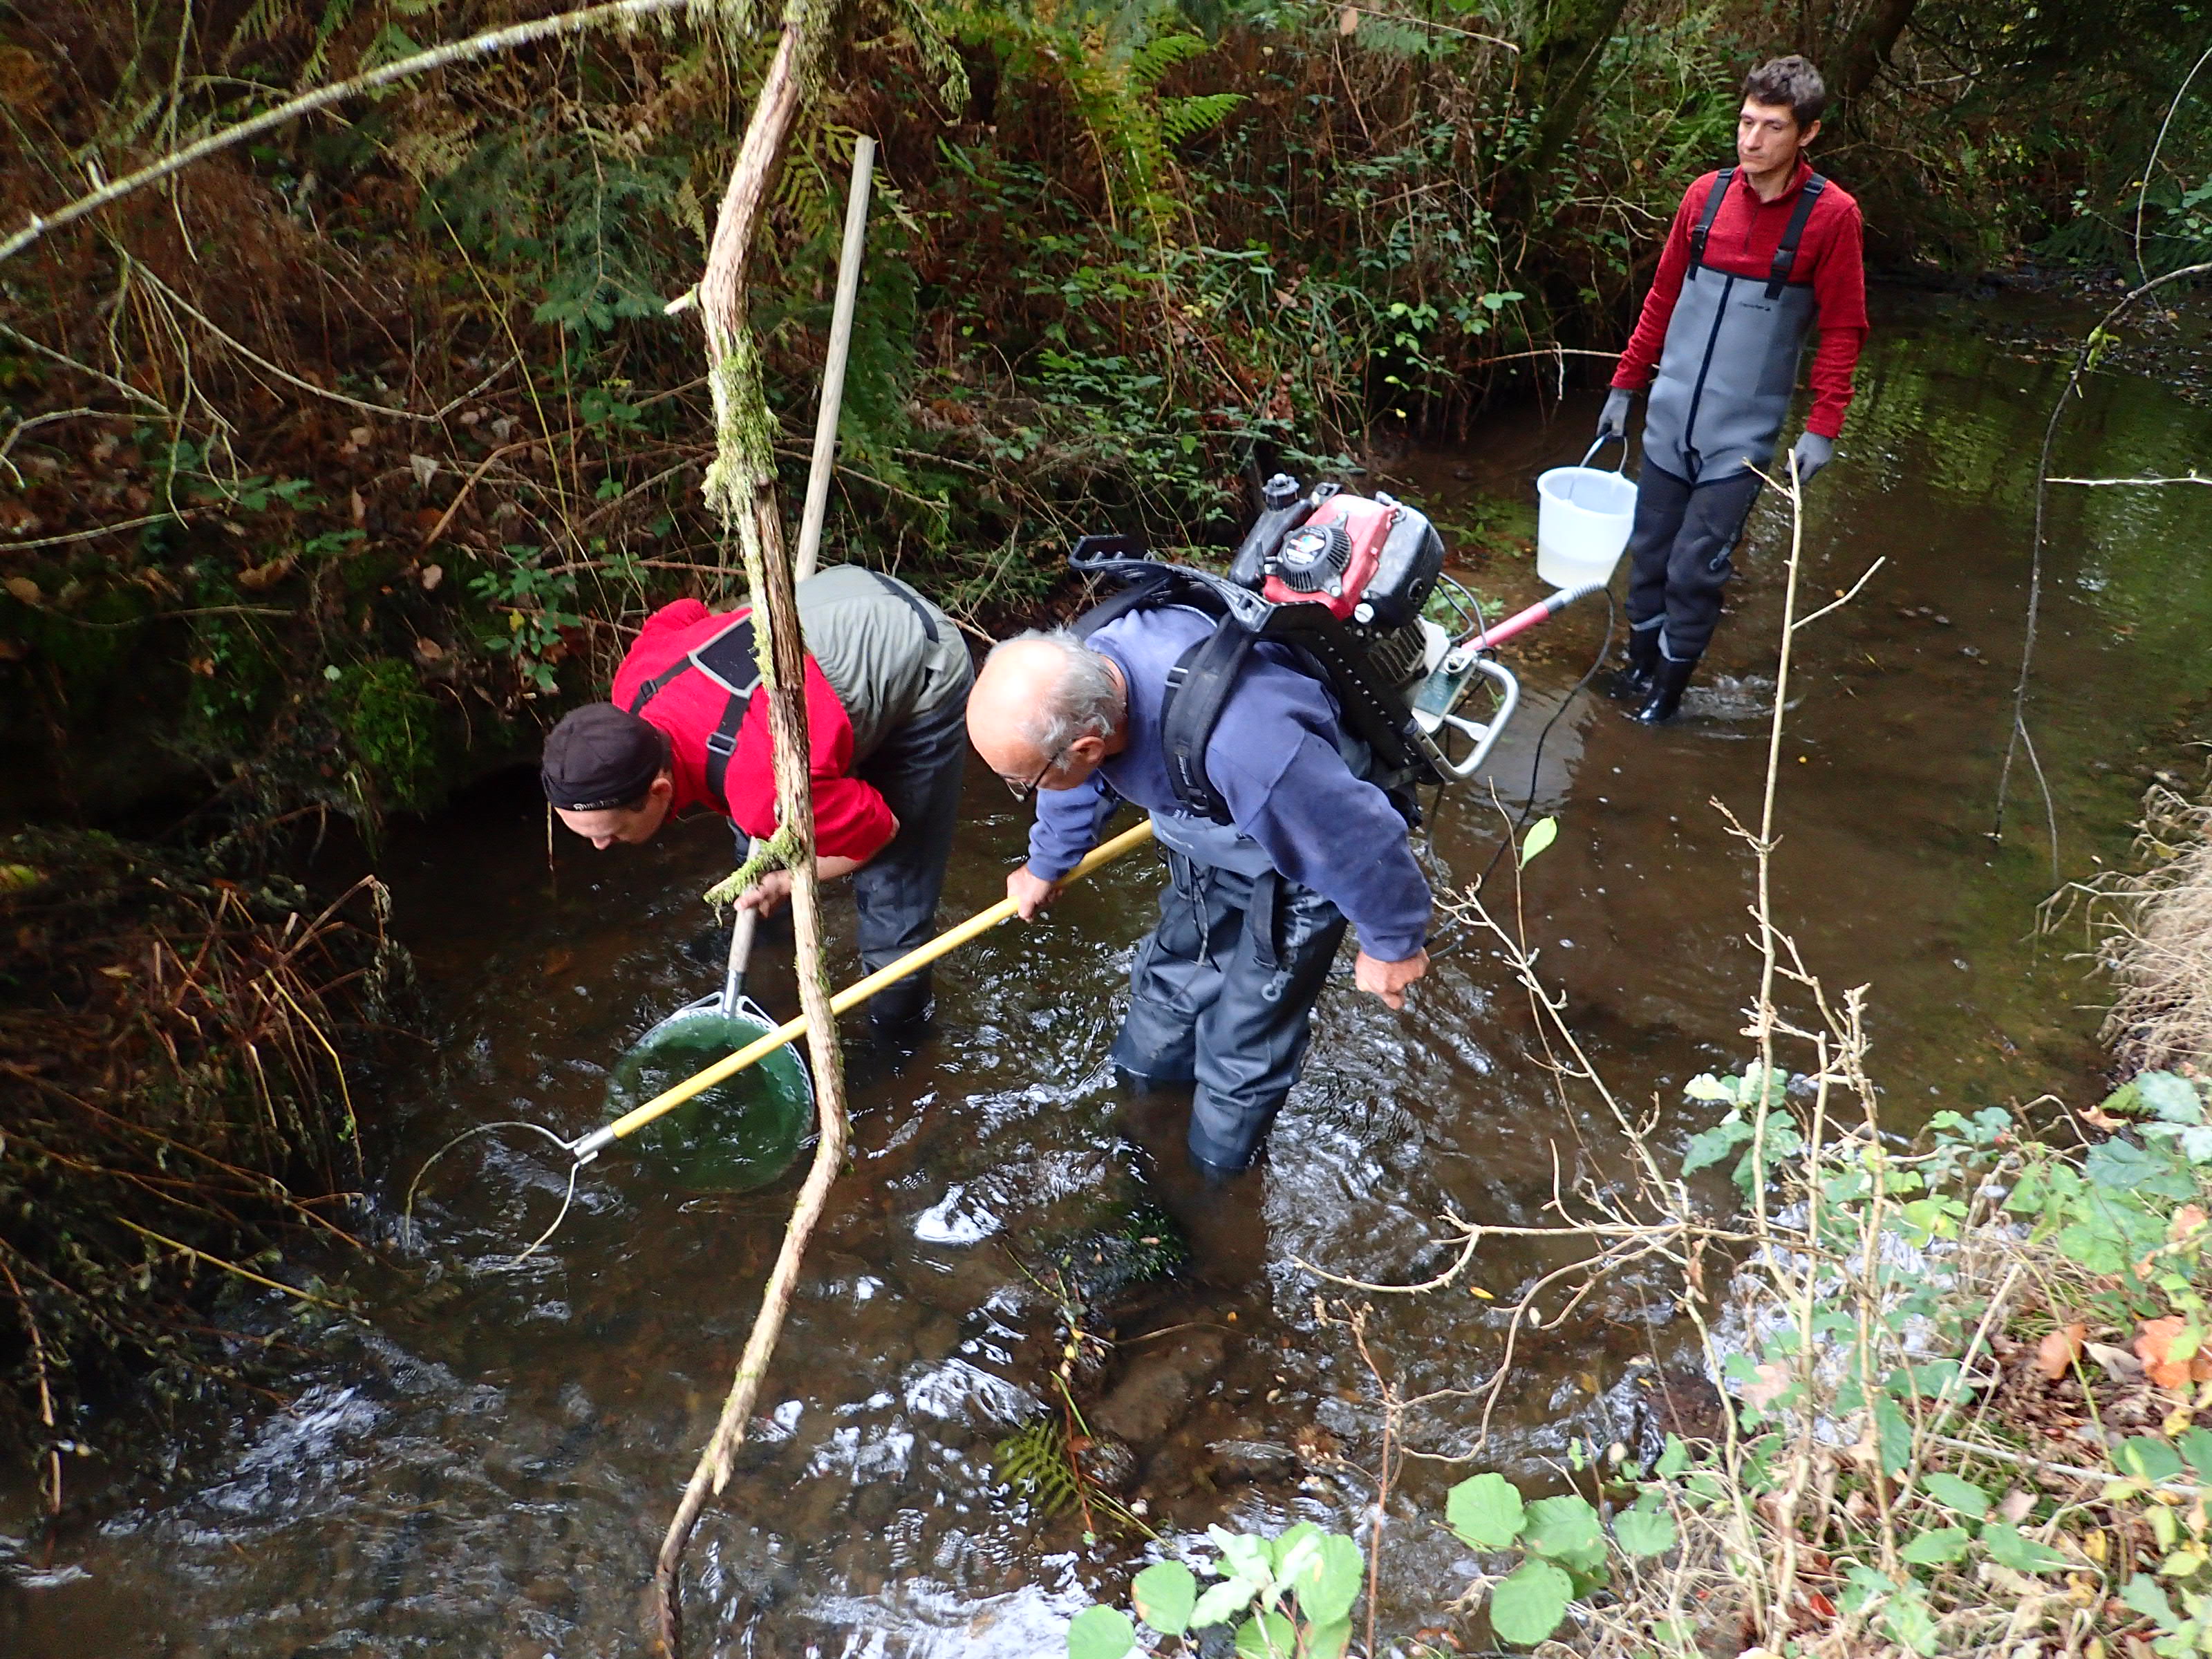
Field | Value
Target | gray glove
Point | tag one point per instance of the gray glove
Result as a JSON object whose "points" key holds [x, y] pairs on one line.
{"points": [[1810, 454], [1613, 421]]}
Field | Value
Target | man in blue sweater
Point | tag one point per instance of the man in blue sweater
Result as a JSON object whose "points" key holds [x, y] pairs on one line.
{"points": [[1222, 990]]}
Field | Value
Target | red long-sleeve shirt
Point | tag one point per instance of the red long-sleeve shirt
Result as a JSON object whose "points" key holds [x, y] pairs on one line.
{"points": [[850, 818], [1742, 242]]}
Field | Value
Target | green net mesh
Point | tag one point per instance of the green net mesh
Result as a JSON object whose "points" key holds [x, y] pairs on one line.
{"points": [[739, 1134]]}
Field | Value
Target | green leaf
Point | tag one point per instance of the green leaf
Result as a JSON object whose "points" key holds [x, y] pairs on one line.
{"points": [[1268, 1636], [1289, 1552], [2008, 1546], [2147, 1456], [1644, 1532], [1101, 1633], [1673, 1460], [2144, 1594], [1165, 1594], [1894, 1433], [1330, 1583], [1542, 834], [2121, 1166], [1566, 1530], [1527, 1604], [1953, 1493], [1330, 1640], [1712, 1145], [2173, 1098], [2195, 1445], [1222, 1601], [1246, 1557], [1485, 1511], [1936, 1548]]}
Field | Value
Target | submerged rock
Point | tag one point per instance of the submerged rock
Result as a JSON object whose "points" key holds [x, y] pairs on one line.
{"points": [[1160, 1387]]}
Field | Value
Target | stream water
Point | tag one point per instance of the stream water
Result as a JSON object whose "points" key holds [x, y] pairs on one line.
{"points": [[486, 1467]]}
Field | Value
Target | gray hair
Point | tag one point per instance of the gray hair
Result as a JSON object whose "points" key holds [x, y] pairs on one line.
{"points": [[1084, 701]]}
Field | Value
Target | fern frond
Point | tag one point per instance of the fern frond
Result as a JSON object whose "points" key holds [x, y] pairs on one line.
{"points": [[337, 14], [1186, 118], [1161, 53], [1034, 1460], [259, 24]]}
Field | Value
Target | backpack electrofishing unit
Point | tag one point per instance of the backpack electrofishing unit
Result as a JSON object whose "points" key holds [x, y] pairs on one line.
{"points": [[1347, 584]]}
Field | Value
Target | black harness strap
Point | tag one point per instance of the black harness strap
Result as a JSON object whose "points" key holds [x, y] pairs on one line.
{"points": [[728, 657], [900, 590], [653, 687], [1785, 255], [1714, 197], [1197, 688]]}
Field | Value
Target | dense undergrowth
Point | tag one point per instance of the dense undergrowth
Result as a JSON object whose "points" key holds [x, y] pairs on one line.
{"points": [[327, 467]]}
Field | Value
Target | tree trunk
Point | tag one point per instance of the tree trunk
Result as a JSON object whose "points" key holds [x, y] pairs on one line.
{"points": [[1863, 53], [1561, 70], [741, 487]]}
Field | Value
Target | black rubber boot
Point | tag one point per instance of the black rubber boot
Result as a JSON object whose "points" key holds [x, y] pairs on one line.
{"points": [[1631, 682], [1668, 684]]}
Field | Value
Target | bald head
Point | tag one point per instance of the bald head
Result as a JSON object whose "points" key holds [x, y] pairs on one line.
{"points": [[1044, 698]]}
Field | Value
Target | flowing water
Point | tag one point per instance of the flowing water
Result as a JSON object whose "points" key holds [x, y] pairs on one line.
{"points": [[486, 1466]]}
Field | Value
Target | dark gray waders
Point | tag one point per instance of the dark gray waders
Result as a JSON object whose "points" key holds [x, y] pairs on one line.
{"points": [[1220, 995], [1726, 375]]}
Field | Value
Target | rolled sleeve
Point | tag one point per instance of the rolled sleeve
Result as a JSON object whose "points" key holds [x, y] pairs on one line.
{"points": [[1066, 827]]}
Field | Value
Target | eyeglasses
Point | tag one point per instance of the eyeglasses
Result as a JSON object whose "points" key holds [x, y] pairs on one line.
{"points": [[1022, 792]]}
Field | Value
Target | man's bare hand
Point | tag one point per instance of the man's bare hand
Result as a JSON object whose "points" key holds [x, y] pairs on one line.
{"points": [[768, 894], [1389, 980], [1030, 894]]}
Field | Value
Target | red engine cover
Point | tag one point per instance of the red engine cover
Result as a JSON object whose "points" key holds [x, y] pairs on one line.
{"points": [[1314, 567]]}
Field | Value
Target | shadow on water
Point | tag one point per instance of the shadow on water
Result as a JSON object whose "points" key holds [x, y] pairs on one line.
{"points": [[487, 1468]]}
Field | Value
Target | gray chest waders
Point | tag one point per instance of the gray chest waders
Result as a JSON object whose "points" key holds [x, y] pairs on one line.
{"points": [[1729, 363]]}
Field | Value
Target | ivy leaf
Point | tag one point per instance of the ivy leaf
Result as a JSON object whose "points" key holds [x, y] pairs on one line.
{"points": [[2121, 1166], [1644, 1532], [1542, 834], [2008, 1546], [2173, 1097], [1222, 1601], [2144, 1594], [1527, 1606], [1101, 1633], [1710, 1146], [1936, 1548], [1953, 1493], [1165, 1594], [1485, 1511]]}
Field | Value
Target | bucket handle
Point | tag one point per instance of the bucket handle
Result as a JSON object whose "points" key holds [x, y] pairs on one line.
{"points": [[1603, 439]]}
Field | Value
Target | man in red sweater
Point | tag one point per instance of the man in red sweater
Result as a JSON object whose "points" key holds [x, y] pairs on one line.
{"points": [[887, 677], [1760, 253]]}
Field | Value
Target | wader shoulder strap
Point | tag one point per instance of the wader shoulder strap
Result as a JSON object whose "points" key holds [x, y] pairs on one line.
{"points": [[899, 590], [1714, 197], [727, 658], [1197, 687], [1786, 255]]}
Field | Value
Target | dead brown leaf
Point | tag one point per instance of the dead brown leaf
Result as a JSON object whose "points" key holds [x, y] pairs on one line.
{"points": [[23, 589], [2056, 1354], [265, 576]]}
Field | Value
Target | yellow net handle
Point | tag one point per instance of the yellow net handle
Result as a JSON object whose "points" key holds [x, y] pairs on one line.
{"points": [[589, 1146]]}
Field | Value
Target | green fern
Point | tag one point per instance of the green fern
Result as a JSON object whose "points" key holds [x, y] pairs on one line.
{"points": [[1186, 118], [1034, 1460]]}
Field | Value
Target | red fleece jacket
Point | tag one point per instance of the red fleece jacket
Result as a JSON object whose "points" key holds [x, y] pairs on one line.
{"points": [[850, 818], [1741, 243]]}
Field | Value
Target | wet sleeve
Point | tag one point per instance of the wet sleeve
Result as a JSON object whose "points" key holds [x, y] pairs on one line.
{"points": [[1337, 833], [1066, 827], [1639, 363], [1839, 292]]}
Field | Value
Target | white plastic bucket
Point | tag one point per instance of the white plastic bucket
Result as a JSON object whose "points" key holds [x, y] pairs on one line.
{"points": [[1583, 518]]}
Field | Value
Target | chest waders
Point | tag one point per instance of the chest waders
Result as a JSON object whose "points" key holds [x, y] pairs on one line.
{"points": [[1729, 364], [1727, 373]]}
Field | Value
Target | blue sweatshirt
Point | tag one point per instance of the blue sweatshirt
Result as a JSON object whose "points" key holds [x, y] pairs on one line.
{"points": [[1274, 759]]}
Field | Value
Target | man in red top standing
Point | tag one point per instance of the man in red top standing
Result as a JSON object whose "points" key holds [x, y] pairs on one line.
{"points": [[887, 677], [1758, 254]]}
